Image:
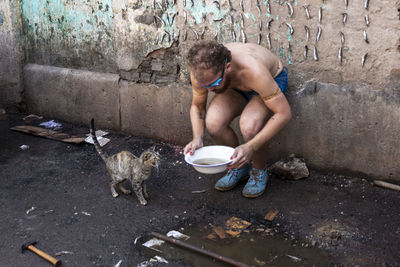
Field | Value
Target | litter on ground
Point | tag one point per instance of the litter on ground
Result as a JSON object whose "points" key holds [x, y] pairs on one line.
{"points": [[177, 235], [51, 125], [270, 216], [235, 226]]}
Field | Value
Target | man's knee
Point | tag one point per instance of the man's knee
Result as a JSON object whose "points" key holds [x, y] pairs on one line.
{"points": [[250, 129], [213, 124]]}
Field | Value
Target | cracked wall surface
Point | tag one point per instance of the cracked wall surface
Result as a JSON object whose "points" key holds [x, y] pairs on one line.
{"points": [[11, 56], [336, 41]]}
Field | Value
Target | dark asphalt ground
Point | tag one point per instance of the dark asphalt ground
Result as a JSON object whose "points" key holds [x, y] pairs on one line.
{"points": [[355, 222]]}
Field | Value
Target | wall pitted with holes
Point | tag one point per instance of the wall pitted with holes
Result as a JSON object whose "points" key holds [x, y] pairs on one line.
{"points": [[335, 41]]}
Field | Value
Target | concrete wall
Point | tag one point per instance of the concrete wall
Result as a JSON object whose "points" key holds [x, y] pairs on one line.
{"points": [[73, 95], [346, 113], [11, 57], [346, 128]]}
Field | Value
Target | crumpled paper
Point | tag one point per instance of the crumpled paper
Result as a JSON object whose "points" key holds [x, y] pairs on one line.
{"points": [[51, 125]]}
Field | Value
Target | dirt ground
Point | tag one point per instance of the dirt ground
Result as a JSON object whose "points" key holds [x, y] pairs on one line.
{"points": [[58, 194]]}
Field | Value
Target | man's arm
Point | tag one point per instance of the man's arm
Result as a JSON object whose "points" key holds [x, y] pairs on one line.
{"points": [[275, 100], [281, 116], [197, 116]]}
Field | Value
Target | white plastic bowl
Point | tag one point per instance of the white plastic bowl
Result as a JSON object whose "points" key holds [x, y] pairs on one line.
{"points": [[210, 159]]}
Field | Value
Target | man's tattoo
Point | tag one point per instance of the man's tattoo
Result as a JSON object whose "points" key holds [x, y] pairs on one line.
{"points": [[202, 115]]}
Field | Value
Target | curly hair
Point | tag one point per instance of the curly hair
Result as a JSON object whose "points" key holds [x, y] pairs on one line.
{"points": [[208, 55]]}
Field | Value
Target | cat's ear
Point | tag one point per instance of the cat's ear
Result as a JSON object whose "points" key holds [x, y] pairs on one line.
{"points": [[153, 148]]}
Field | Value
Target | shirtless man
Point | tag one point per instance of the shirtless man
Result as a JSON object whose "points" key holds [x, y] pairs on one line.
{"points": [[248, 80]]}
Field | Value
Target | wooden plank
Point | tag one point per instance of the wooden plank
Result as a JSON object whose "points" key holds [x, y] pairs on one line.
{"points": [[49, 134]]}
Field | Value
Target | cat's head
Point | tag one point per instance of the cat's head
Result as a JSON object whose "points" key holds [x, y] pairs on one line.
{"points": [[151, 157]]}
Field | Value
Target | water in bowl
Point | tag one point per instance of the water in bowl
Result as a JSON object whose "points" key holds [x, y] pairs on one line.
{"points": [[209, 161]]}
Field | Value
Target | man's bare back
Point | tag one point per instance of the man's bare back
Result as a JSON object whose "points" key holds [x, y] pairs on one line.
{"points": [[252, 57], [253, 63]]}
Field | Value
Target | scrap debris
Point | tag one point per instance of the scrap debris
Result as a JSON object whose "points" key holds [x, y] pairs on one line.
{"points": [[199, 191], [151, 261], [50, 134], [31, 118], [154, 242], [232, 228], [294, 258], [270, 216], [51, 125], [177, 235], [118, 263], [220, 232], [30, 210], [387, 185], [292, 168], [235, 226], [64, 252], [3, 114], [24, 147], [99, 134]]}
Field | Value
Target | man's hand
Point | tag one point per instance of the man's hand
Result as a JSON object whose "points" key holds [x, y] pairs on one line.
{"points": [[241, 156], [193, 145]]}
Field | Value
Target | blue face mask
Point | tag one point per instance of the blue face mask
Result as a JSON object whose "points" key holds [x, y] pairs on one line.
{"points": [[218, 81]]}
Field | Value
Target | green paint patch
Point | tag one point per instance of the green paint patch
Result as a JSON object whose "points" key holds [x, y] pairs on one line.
{"points": [[289, 36], [198, 11], [289, 55], [281, 53], [68, 25], [251, 16]]}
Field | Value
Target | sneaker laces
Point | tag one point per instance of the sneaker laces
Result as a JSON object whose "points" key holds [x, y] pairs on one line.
{"points": [[255, 174], [232, 172]]}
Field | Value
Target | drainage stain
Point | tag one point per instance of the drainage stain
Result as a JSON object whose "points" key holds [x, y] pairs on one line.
{"points": [[250, 247]]}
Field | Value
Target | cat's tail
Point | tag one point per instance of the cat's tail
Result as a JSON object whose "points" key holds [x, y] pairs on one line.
{"points": [[102, 154]]}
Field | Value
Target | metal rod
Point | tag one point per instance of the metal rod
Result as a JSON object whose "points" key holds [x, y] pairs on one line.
{"points": [[199, 250], [387, 185]]}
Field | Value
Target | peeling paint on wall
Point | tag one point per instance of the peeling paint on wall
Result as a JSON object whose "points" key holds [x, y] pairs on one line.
{"points": [[60, 32]]}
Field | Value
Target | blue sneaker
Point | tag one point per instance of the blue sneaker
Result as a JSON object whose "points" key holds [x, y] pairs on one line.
{"points": [[232, 178], [256, 184]]}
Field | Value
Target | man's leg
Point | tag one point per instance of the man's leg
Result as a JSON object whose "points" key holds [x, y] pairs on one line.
{"points": [[221, 112], [223, 109], [252, 120]]}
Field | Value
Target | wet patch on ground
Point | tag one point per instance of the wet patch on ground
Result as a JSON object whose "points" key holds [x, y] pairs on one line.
{"points": [[255, 247]]}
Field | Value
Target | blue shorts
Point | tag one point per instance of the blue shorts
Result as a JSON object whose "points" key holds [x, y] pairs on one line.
{"points": [[281, 80]]}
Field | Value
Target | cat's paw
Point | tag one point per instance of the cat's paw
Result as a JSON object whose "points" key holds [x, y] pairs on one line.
{"points": [[115, 195], [127, 192], [143, 202]]}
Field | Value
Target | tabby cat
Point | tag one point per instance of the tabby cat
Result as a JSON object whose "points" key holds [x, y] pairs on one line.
{"points": [[126, 166]]}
